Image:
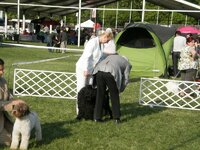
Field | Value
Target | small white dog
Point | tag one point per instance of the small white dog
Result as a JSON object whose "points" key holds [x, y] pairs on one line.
{"points": [[24, 123], [172, 87]]}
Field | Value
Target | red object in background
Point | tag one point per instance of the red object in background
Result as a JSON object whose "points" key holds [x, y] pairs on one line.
{"points": [[96, 26], [198, 80], [189, 29]]}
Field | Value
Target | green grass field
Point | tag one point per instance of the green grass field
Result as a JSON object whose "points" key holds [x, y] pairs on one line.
{"points": [[142, 128]]}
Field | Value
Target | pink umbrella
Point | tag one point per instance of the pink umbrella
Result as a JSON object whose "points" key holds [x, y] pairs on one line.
{"points": [[189, 29]]}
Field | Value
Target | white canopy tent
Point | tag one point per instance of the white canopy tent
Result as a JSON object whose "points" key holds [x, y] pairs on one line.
{"points": [[87, 24]]}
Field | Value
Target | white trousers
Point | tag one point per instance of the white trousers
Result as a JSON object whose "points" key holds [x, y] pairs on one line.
{"points": [[81, 82]]}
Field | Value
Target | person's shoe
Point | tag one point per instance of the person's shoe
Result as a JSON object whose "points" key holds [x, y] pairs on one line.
{"points": [[117, 121], [98, 120]]}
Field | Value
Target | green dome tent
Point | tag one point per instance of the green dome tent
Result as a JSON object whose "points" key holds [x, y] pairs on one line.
{"points": [[147, 47]]}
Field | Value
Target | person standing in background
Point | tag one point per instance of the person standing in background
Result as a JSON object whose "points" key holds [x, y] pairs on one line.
{"points": [[188, 64], [179, 43], [63, 40]]}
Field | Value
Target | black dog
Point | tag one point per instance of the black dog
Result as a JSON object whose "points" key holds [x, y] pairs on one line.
{"points": [[86, 103]]}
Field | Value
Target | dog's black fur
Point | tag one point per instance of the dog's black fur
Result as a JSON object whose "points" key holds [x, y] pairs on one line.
{"points": [[86, 103]]}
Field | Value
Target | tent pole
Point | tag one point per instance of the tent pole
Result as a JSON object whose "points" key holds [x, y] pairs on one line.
{"points": [[103, 17], [116, 15], [158, 13], [18, 19], [23, 22], [143, 10], [185, 20], [64, 18], [95, 19], [6, 24], [50, 26], [79, 23], [18, 15], [130, 14], [172, 15]]}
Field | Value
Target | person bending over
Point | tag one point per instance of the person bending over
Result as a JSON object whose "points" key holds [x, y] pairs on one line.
{"points": [[112, 73]]}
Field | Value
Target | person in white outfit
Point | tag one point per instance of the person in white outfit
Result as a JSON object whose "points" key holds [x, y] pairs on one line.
{"points": [[92, 53], [179, 43]]}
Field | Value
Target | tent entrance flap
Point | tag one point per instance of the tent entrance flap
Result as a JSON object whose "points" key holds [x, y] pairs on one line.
{"points": [[136, 38]]}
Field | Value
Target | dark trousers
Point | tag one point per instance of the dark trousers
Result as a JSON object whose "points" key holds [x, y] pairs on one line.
{"points": [[188, 75], [104, 80], [175, 59]]}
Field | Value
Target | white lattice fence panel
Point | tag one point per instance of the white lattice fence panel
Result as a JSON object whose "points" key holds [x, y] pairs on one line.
{"points": [[44, 83], [169, 93]]}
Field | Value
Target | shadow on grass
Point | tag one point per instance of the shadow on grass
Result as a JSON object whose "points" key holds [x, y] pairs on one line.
{"points": [[134, 79], [52, 131], [2, 147], [133, 110]]}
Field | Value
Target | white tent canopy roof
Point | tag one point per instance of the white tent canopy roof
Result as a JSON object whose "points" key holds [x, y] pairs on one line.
{"points": [[87, 24], [15, 20]]}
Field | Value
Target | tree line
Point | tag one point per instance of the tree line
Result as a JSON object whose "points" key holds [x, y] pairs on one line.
{"points": [[123, 17]]}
